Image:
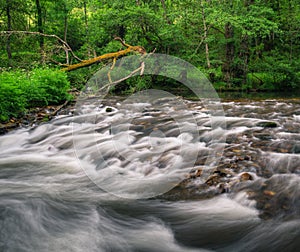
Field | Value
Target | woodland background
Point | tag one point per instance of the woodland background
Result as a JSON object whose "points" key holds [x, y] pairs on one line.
{"points": [[251, 45]]}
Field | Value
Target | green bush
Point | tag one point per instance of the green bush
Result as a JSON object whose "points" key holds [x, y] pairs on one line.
{"points": [[261, 81], [20, 90], [50, 86], [12, 100]]}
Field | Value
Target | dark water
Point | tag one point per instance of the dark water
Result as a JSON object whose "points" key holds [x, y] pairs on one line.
{"points": [[54, 179]]}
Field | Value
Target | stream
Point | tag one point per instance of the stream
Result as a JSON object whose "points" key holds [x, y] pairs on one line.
{"points": [[154, 175]]}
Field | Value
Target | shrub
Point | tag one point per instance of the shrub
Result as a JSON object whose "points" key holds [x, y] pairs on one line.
{"points": [[20, 90], [12, 101], [49, 86]]}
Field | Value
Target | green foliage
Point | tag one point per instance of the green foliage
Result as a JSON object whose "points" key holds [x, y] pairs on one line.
{"points": [[50, 85], [262, 52], [138, 83], [79, 77], [20, 90], [12, 101]]}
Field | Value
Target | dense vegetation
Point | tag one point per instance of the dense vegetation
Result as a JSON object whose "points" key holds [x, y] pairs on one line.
{"points": [[247, 44], [20, 90]]}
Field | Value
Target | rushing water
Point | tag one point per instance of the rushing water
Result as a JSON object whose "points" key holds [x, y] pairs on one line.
{"points": [[54, 179]]}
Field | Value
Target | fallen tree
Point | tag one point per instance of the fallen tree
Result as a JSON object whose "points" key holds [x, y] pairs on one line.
{"points": [[82, 63], [114, 56]]}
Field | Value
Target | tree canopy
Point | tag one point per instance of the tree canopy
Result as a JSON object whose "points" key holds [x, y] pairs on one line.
{"points": [[252, 44]]}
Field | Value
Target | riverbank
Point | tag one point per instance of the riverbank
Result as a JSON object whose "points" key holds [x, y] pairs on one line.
{"points": [[37, 115]]}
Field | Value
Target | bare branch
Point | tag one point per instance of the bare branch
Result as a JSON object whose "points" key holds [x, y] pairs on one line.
{"points": [[110, 84], [121, 41], [65, 44]]}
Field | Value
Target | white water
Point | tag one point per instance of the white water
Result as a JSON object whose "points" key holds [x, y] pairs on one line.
{"points": [[54, 181]]}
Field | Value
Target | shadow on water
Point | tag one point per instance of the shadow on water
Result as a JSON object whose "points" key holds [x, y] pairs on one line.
{"points": [[259, 95]]}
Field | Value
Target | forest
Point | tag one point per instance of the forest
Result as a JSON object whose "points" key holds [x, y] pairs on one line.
{"points": [[197, 150], [251, 45]]}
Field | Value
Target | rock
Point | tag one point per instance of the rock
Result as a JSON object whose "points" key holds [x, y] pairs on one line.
{"points": [[223, 188], [263, 136], [213, 180], [269, 193], [108, 109], [245, 176], [195, 174], [296, 148], [267, 124]]}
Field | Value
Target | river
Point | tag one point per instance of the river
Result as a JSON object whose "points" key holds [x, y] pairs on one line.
{"points": [[133, 176]]}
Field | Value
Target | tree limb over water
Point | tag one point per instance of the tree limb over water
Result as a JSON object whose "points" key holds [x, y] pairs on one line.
{"points": [[107, 56], [82, 63]]}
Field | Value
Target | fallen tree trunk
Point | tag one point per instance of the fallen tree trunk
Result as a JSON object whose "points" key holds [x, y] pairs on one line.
{"points": [[113, 56]]}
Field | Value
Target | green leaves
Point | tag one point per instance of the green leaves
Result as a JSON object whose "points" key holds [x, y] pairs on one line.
{"points": [[194, 30], [20, 90]]}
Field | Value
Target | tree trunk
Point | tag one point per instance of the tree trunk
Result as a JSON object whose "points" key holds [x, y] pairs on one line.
{"points": [[244, 55], [205, 36], [86, 28], [9, 28], [163, 3], [227, 68], [66, 33], [40, 27], [65, 37]]}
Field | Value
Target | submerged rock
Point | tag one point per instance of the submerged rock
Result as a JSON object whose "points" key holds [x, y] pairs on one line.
{"points": [[267, 124]]}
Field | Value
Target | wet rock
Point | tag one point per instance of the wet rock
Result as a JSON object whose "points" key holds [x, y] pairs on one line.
{"points": [[267, 124], [269, 193], [263, 136], [195, 174], [223, 187], [296, 148], [220, 176], [6, 127], [245, 176], [277, 197], [213, 180]]}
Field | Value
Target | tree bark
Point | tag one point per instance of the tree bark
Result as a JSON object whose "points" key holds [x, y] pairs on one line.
{"points": [[86, 28], [40, 27], [244, 55], [114, 56], [227, 68], [66, 32], [9, 28], [163, 3], [205, 28]]}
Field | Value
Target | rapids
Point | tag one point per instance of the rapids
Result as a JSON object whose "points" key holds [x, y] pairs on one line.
{"points": [[119, 176]]}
